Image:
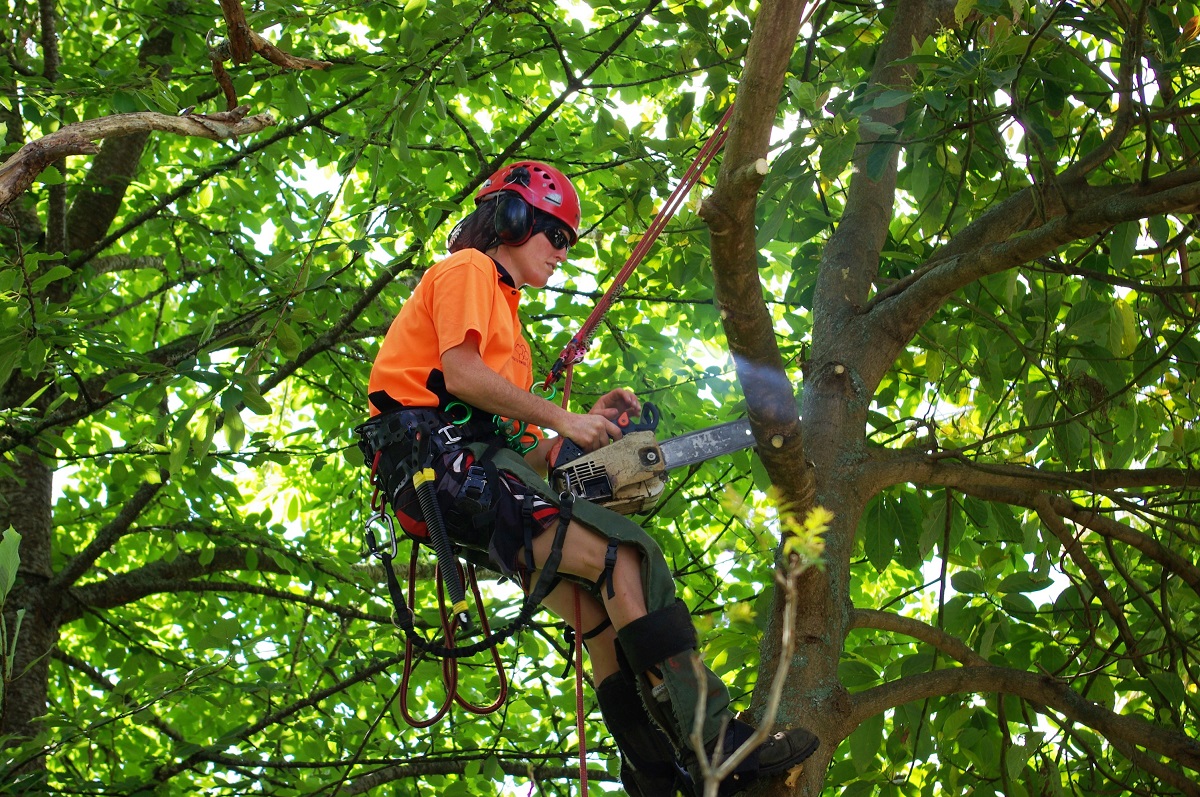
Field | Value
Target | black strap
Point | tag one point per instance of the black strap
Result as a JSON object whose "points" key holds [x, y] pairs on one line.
{"points": [[383, 402], [610, 563]]}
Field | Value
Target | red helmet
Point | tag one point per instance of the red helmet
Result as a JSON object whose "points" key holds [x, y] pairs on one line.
{"points": [[539, 184]]}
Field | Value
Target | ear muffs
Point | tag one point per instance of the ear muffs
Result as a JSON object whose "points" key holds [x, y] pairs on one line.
{"points": [[513, 220]]}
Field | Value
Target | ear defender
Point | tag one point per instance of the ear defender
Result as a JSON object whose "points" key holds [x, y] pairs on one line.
{"points": [[513, 220]]}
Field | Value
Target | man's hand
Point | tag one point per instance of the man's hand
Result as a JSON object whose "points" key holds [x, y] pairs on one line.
{"points": [[590, 431], [615, 403]]}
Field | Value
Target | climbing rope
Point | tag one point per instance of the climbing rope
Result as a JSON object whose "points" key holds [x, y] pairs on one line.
{"points": [[575, 349]]}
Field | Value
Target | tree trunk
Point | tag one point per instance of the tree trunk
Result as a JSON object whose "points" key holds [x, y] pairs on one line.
{"points": [[26, 507]]}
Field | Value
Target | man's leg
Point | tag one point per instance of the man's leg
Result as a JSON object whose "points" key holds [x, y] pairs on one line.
{"points": [[649, 767], [660, 645]]}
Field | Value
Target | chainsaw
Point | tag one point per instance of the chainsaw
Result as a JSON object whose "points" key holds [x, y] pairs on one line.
{"points": [[628, 476]]}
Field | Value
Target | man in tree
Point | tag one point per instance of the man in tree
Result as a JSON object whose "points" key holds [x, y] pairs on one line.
{"points": [[453, 360]]}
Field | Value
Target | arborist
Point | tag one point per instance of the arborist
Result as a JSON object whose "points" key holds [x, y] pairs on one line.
{"points": [[451, 386]]}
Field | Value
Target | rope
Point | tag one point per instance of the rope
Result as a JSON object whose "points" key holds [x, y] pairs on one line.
{"points": [[574, 350], [579, 718]]}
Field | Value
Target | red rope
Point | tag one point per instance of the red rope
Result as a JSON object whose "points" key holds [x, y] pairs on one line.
{"points": [[579, 718], [577, 346]]}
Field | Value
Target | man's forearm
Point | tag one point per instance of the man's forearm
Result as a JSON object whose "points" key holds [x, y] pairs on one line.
{"points": [[471, 380]]}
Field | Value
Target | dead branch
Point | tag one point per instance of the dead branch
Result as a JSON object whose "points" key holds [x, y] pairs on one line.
{"points": [[241, 46], [18, 172], [717, 767]]}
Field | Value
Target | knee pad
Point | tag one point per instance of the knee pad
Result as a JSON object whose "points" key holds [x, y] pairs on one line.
{"points": [[650, 640]]}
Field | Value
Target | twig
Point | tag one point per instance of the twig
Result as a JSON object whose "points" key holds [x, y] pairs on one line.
{"points": [[716, 768]]}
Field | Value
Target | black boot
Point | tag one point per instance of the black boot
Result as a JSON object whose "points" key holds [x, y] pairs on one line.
{"points": [[780, 752], [648, 764]]}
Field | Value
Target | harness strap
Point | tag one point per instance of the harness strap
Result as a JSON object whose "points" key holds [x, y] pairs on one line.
{"points": [[610, 563], [598, 630]]}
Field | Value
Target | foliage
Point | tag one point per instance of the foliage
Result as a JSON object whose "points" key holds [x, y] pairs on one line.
{"points": [[188, 325]]}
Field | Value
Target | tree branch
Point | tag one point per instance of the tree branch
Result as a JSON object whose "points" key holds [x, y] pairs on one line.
{"points": [[923, 632], [18, 172], [1020, 485], [1039, 689], [908, 310], [107, 536], [737, 285], [163, 576]]}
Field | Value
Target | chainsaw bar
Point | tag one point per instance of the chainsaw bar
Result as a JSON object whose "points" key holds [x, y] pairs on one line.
{"points": [[705, 444]]}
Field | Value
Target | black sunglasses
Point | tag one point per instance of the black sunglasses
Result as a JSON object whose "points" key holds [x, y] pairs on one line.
{"points": [[558, 237]]}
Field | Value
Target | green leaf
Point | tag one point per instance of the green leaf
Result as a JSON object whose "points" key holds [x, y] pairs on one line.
{"points": [[54, 274], [254, 400], [10, 561], [287, 340], [51, 176], [1122, 242], [879, 526], [967, 581], [866, 741], [1023, 582]]}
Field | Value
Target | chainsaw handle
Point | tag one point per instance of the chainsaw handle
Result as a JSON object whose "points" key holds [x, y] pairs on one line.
{"points": [[647, 422], [570, 451]]}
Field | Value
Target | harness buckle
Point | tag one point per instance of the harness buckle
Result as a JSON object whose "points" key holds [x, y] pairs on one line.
{"points": [[449, 434]]}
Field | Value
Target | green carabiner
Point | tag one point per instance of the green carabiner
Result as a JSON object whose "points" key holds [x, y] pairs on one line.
{"points": [[453, 405], [520, 446], [549, 393], [508, 428]]}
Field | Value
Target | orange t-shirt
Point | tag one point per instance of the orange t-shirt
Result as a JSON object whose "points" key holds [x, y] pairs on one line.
{"points": [[462, 294]]}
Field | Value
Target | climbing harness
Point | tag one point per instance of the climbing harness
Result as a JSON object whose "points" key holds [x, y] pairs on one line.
{"points": [[408, 441]]}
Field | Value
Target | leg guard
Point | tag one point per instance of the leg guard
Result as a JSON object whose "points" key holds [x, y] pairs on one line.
{"points": [[648, 764], [664, 641]]}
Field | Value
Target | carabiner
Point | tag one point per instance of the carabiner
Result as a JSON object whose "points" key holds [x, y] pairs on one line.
{"points": [[523, 443], [509, 428], [453, 405], [373, 547]]}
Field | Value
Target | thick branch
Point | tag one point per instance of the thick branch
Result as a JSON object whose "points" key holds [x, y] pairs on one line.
{"points": [[162, 576], [106, 537], [239, 31], [1039, 689], [889, 467], [729, 213], [98, 200], [923, 632], [18, 172], [1022, 486], [911, 308]]}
